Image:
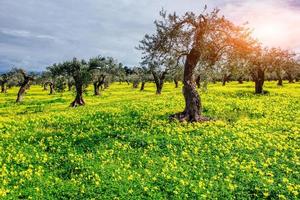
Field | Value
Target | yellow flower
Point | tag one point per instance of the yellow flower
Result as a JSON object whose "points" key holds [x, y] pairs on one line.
{"points": [[270, 181], [266, 194], [281, 197], [3, 192], [285, 180], [232, 186], [295, 192], [201, 184], [130, 177]]}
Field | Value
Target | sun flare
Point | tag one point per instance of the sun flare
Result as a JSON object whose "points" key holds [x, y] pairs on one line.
{"points": [[268, 32]]}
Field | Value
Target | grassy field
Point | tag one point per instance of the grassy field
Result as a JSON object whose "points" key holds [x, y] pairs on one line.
{"points": [[122, 146]]}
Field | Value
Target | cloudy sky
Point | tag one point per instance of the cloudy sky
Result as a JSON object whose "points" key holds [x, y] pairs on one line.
{"points": [[35, 33]]}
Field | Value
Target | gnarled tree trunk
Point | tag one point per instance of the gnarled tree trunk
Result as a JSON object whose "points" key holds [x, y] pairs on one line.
{"points": [[97, 84], [51, 85], [51, 88], [193, 107], [3, 88], [279, 83], [259, 81], [23, 87], [96, 89], [240, 80], [79, 91], [143, 85], [159, 88], [225, 79], [159, 81], [20, 94]]}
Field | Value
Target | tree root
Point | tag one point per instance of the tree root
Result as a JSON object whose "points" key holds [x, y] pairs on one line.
{"points": [[183, 116], [76, 103]]}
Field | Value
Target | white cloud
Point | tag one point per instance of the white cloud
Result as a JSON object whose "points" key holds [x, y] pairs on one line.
{"points": [[25, 34]]}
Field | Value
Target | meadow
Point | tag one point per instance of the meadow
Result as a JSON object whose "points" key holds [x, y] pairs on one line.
{"points": [[121, 145]]}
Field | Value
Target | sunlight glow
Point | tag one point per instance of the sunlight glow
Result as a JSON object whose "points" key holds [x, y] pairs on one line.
{"points": [[273, 22], [270, 32]]}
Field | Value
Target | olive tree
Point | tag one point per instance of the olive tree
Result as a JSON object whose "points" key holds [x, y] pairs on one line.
{"points": [[98, 73], [103, 70], [24, 82], [260, 61], [4, 79], [51, 76], [143, 75], [159, 74], [80, 72], [197, 38], [280, 61], [290, 66]]}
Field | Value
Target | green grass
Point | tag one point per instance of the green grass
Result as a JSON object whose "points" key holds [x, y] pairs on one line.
{"points": [[122, 146]]}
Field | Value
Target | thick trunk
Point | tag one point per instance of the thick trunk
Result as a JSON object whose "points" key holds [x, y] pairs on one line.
{"points": [[259, 81], [258, 87], [176, 82], [79, 91], [99, 84], [159, 81], [223, 82], [193, 107], [51, 88], [20, 94], [3, 88], [159, 87], [279, 83], [23, 87], [143, 86], [198, 79], [240, 80], [96, 89], [226, 78]]}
